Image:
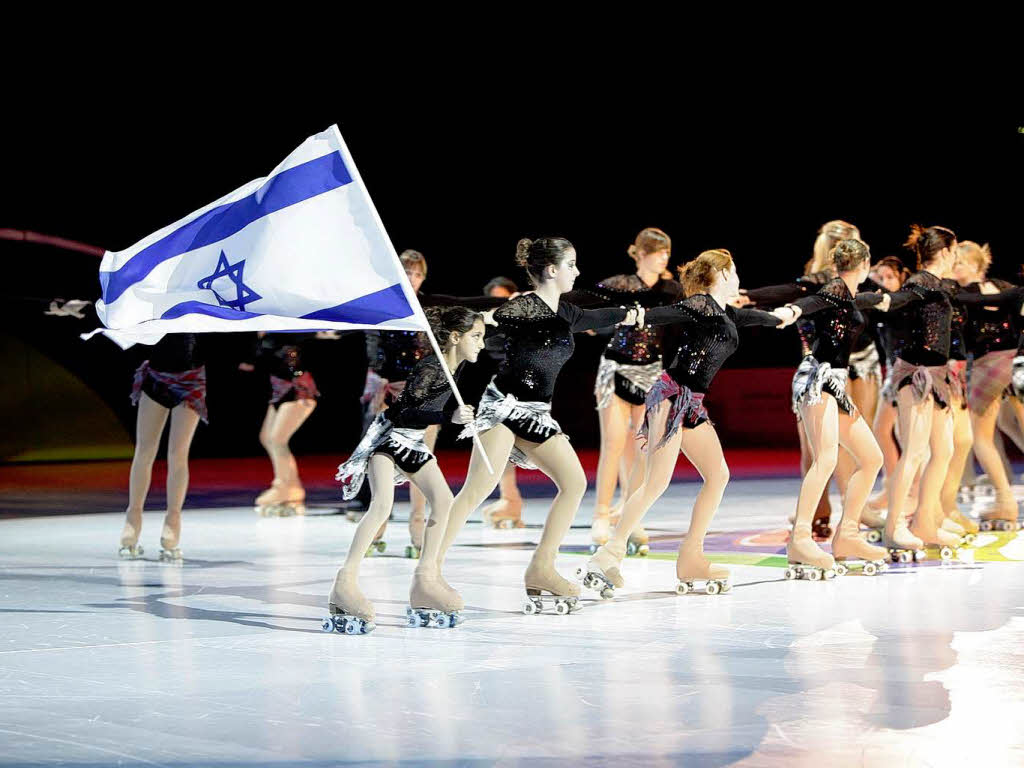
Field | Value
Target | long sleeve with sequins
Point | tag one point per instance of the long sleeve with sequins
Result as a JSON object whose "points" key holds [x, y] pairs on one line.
{"points": [[992, 319], [708, 336], [539, 341], [427, 398], [629, 344], [837, 321]]}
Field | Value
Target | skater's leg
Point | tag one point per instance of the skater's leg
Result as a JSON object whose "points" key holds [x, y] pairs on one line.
{"points": [[859, 444], [555, 458], [497, 442], [984, 425], [885, 423], [417, 501], [915, 423], [660, 466], [928, 515], [290, 416], [823, 509], [963, 439], [184, 421], [614, 423], [702, 447], [265, 430], [149, 426], [428, 590], [821, 426]]}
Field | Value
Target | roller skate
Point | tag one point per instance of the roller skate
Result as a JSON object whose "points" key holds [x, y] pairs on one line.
{"points": [[639, 542], [903, 546], [875, 523], [602, 572], [600, 529], [432, 603], [1002, 520], [936, 540], [349, 611], [806, 560], [169, 537], [278, 501], [853, 554], [417, 523], [690, 570], [130, 548], [969, 525], [504, 513], [545, 587]]}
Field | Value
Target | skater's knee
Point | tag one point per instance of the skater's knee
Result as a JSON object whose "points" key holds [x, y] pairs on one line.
{"points": [[872, 460], [718, 478], [573, 482]]}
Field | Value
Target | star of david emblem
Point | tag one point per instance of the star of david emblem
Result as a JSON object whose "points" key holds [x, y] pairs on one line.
{"points": [[233, 272]]}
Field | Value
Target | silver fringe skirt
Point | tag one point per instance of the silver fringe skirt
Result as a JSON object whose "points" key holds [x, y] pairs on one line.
{"points": [[404, 441], [496, 407]]}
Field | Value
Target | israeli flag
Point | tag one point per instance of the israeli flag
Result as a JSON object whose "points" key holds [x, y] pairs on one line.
{"points": [[302, 249]]}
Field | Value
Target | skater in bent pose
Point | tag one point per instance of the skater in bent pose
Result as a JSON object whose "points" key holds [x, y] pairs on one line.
{"points": [[629, 367], [675, 418], [392, 451], [171, 382], [514, 418]]}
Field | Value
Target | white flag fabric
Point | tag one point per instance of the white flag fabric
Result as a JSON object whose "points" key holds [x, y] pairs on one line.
{"points": [[302, 249]]}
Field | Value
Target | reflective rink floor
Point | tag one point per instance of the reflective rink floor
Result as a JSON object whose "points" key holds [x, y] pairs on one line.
{"points": [[222, 662]]}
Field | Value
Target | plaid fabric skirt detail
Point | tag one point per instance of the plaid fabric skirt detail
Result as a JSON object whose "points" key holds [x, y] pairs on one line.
{"points": [[924, 380], [302, 385], [378, 391], [687, 408], [958, 382], [990, 376], [172, 389]]}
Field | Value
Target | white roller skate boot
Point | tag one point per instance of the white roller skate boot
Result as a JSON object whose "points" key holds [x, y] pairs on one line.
{"points": [[806, 559], [349, 610], [602, 572], [546, 587]]}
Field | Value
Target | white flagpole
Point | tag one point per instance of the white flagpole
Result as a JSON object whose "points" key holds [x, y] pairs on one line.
{"points": [[410, 295]]}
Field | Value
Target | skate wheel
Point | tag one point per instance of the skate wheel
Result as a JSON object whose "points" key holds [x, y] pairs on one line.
{"points": [[327, 625], [643, 550], [682, 588], [713, 587], [412, 552], [946, 553], [985, 525], [905, 557], [726, 587], [562, 608], [607, 593], [841, 570], [829, 574], [351, 627], [581, 575], [873, 537], [630, 548], [870, 569], [593, 549], [790, 574], [529, 608], [814, 575], [970, 538], [919, 555]]}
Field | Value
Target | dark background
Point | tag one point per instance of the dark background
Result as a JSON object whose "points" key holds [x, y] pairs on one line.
{"points": [[462, 180]]}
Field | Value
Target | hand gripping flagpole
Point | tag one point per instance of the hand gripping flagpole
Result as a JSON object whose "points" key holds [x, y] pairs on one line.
{"points": [[409, 293]]}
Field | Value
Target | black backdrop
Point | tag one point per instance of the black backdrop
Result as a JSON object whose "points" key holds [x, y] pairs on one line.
{"points": [[463, 180]]}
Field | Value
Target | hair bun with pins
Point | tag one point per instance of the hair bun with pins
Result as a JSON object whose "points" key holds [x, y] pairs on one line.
{"points": [[523, 251]]}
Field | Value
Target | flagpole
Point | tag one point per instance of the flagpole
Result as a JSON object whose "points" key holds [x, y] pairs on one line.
{"points": [[410, 295]]}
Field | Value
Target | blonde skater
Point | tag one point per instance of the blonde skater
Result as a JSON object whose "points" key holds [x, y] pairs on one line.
{"points": [[393, 451]]}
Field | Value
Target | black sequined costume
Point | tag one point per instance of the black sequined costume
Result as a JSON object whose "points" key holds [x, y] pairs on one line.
{"points": [[837, 324], [280, 356], [991, 333], [538, 343], [708, 338], [632, 360], [175, 373]]}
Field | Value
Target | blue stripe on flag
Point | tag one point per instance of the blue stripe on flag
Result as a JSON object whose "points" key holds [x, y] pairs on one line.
{"points": [[387, 304], [201, 308], [378, 307], [286, 188]]}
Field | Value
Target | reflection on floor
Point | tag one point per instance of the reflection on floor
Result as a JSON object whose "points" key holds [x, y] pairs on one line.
{"points": [[221, 661]]}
